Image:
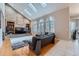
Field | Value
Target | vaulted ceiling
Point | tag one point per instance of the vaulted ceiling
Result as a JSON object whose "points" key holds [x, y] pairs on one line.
{"points": [[35, 10]]}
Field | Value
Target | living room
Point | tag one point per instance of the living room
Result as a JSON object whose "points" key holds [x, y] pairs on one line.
{"points": [[32, 29]]}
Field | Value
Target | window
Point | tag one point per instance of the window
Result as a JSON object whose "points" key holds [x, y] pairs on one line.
{"points": [[50, 24], [32, 7], [41, 26], [72, 26], [43, 4], [28, 12], [44, 25]]}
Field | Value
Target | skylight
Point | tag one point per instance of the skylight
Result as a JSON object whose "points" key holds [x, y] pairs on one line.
{"points": [[43, 4], [50, 18], [28, 12], [41, 20], [32, 7]]}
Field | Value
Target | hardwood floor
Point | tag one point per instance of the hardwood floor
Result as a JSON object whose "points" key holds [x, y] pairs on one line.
{"points": [[6, 49], [45, 49], [60, 48]]}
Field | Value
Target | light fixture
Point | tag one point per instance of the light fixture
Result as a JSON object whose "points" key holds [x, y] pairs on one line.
{"points": [[32, 7], [28, 12], [43, 4]]}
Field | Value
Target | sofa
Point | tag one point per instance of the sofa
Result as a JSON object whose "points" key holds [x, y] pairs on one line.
{"points": [[40, 41]]}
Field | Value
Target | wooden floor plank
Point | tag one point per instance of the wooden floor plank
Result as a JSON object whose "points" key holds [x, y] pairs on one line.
{"points": [[6, 49]]}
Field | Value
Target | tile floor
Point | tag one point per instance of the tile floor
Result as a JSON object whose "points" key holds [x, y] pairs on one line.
{"points": [[65, 48]]}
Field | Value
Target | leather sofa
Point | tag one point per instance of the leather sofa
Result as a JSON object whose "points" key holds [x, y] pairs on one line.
{"points": [[40, 41]]}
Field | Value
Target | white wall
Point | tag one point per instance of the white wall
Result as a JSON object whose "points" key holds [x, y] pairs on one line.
{"points": [[62, 23], [61, 18]]}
